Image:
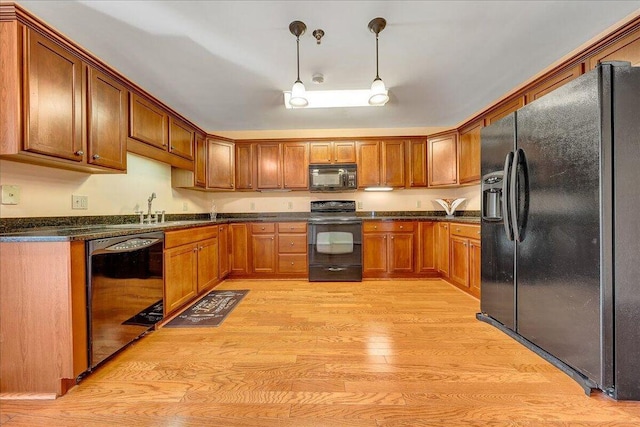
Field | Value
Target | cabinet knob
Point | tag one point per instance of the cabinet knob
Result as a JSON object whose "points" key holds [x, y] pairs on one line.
{"points": [[291, 262], [272, 238], [195, 249], [401, 227], [375, 227], [458, 229], [201, 247], [445, 227], [384, 237], [478, 231], [291, 243], [262, 228], [79, 153], [96, 156], [250, 185], [464, 244], [391, 237], [173, 148]]}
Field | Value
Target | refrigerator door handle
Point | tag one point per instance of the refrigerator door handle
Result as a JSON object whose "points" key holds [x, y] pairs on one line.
{"points": [[506, 187], [519, 217]]}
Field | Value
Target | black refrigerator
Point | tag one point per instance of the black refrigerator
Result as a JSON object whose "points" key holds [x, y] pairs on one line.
{"points": [[561, 228]]}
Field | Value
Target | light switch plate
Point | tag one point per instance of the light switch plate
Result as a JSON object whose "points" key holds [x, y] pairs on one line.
{"points": [[79, 202], [10, 194]]}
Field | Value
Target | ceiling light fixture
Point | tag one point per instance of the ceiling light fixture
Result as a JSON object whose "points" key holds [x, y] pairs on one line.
{"points": [[298, 93], [379, 94]]}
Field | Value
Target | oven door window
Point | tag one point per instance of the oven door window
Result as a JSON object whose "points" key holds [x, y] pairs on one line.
{"points": [[334, 242]]}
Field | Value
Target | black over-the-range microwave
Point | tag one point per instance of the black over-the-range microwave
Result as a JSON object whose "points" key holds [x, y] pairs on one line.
{"points": [[341, 177]]}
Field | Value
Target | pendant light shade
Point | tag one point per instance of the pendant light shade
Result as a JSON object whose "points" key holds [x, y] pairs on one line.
{"points": [[379, 93], [298, 92]]}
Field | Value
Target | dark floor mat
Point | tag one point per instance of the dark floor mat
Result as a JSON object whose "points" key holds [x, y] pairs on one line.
{"points": [[209, 311]]}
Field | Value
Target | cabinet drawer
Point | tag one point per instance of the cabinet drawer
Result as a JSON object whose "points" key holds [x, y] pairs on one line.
{"points": [[292, 263], [189, 235], [292, 227], [292, 243], [465, 230], [380, 226], [263, 228]]}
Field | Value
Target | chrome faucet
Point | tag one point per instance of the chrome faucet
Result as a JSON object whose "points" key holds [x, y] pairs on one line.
{"points": [[150, 201]]}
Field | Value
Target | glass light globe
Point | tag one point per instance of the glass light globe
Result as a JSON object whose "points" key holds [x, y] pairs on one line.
{"points": [[298, 95], [379, 95]]}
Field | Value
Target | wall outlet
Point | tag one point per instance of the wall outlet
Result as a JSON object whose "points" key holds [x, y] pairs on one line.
{"points": [[79, 202], [289, 205], [418, 204], [252, 206], [185, 206], [359, 205], [10, 194]]}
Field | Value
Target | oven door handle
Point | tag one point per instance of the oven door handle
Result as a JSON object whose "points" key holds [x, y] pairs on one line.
{"points": [[337, 268]]}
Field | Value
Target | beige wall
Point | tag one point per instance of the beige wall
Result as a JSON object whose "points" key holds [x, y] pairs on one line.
{"points": [[47, 192]]}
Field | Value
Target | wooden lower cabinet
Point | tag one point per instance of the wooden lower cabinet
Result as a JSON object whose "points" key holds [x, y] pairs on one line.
{"points": [[223, 251], [388, 249], [292, 248], [239, 239], [426, 248], [263, 253], [442, 249], [190, 265], [465, 253]]}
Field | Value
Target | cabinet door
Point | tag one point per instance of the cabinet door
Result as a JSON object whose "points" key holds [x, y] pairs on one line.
{"points": [[107, 130], [401, 253], [53, 100], [625, 49], [245, 166], [443, 159], [239, 249], [504, 110], [269, 172], [180, 276], [223, 250], [344, 151], [459, 272], [220, 164], [320, 152], [201, 161], [148, 122], [295, 165], [442, 254], [207, 264], [263, 251], [553, 82], [374, 247], [426, 247], [469, 146], [392, 163], [181, 138], [368, 160], [416, 163], [474, 267]]}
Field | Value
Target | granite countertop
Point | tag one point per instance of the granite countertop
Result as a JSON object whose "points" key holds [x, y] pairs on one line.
{"points": [[61, 229]]}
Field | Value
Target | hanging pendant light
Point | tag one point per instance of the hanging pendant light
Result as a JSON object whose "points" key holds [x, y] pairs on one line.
{"points": [[379, 94], [298, 92]]}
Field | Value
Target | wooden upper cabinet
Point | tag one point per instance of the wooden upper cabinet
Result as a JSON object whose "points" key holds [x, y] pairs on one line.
{"points": [[295, 165], [368, 161], [416, 162], [245, 166], [392, 163], [625, 49], [53, 100], [201, 160], [107, 130], [443, 159], [220, 164], [504, 109], [181, 137], [332, 152], [553, 82], [148, 122], [469, 153], [268, 165]]}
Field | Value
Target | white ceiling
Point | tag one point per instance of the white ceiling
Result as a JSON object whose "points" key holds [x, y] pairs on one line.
{"points": [[224, 64]]}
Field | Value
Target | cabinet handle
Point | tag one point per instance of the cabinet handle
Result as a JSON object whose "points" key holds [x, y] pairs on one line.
{"points": [[96, 156], [79, 153]]}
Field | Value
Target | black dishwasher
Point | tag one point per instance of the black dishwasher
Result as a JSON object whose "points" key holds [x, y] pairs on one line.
{"points": [[124, 291]]}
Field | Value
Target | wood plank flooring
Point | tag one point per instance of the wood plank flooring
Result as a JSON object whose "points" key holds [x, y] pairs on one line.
{"points": [[293, 353]]}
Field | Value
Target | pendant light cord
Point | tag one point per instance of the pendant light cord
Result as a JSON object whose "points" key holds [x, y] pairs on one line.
{"points": [[298, 56], [377, 76]]}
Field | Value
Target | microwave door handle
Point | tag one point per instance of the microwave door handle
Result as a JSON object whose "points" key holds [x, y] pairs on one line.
{"points": [[343, 178]]}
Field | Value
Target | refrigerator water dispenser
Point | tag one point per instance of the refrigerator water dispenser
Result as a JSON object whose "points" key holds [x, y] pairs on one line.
{"points": [[492, 196]]}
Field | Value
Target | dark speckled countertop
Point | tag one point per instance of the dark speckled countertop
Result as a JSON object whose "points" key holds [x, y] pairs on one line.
{"points": [[56, 229]]}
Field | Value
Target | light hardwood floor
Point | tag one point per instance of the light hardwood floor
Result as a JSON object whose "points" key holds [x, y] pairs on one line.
{"points": [[293, 353]]}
